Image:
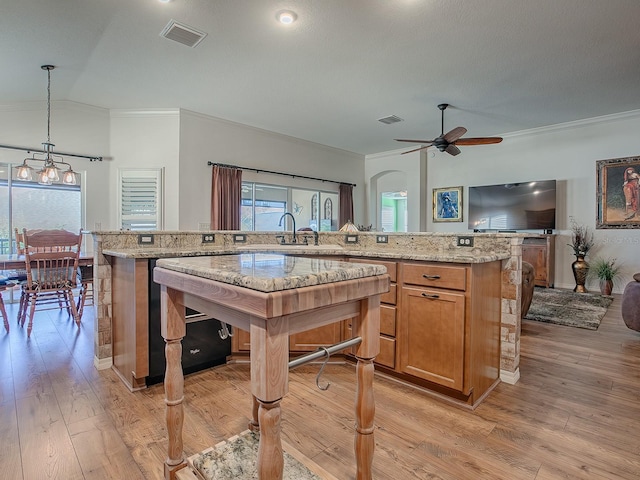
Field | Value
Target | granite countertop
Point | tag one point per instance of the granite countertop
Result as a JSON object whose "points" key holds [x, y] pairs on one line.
{"points": [[414, 254], [270, 272]]}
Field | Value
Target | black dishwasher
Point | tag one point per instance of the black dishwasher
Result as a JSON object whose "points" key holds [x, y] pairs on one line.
{"points": [[202, 347]]}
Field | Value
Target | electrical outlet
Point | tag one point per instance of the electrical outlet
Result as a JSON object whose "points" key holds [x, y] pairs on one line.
{"points": [[382, 238], [145, 239], [465, 241], [208, 238]]}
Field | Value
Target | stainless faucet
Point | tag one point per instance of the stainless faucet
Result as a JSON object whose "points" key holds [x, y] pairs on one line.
{"points": [[295, 240]]}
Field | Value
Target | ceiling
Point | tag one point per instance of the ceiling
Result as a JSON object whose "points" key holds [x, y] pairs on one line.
{"points": [[503, 65]]}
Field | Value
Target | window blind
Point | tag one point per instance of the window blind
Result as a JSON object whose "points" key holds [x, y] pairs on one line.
{"points": [[140, 199]]}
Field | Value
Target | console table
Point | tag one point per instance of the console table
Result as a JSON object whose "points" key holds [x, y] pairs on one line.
{"points": [[271, 296]]}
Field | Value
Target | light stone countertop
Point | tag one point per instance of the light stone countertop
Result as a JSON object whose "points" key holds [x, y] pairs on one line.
{"points": [[270, 272], [414, 254]]}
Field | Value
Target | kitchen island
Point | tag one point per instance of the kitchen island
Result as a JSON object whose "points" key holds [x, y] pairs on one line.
{"points": [[272, 296]]}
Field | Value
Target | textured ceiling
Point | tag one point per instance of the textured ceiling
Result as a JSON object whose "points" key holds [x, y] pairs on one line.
{"points": [[503, 65]]}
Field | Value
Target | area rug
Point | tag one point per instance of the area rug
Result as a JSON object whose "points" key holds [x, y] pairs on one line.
{"points": [[235, 459], [564, 307]]}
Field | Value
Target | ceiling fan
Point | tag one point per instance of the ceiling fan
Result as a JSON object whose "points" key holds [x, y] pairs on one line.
{"points": [[448, 142]]}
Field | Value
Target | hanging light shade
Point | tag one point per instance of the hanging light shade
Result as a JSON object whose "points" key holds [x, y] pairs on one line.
{"points": [[24, 172], [50, 170], [69, 177]]}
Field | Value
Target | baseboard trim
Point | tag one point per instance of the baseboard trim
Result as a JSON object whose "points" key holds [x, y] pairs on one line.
{"points": [[102, 363], [510, 377]]}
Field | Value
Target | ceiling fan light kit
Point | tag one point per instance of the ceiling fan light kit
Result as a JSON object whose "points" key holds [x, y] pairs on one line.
{"points": [[448, 142]]}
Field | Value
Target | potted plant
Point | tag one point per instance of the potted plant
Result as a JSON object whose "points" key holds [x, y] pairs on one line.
{"points": [[581, 243], [606, 270]]}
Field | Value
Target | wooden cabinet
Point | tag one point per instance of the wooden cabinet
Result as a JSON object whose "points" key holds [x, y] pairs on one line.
{"points": [[448, 330], [388, 314], [433, 323], [539, 251]]}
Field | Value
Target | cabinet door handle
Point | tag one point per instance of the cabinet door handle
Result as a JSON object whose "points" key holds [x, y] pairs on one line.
{"points": [[430, 277], [428, 295]]}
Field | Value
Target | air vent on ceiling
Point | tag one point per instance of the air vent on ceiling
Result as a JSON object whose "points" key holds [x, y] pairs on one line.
{"points": [[184, 34], [390, 119]]}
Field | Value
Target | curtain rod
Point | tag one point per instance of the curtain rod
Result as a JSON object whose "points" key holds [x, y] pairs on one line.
{"points": [[211, 164], [61, 154]]}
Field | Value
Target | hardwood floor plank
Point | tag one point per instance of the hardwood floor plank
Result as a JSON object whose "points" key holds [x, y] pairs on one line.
{"points": [[10, 458], [45, 445], [574, 414], [100, 450]]}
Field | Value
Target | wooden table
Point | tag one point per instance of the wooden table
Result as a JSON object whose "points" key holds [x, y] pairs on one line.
{"points": [[13, 261], [272, 297]]}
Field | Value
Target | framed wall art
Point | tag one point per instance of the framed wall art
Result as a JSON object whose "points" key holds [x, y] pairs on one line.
{"points": [[618, 186], [447, 204]]}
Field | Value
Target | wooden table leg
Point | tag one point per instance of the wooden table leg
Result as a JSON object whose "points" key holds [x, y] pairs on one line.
{"points": [[173, 329], [270, 454], [254, 423], [269, 384], [366, 326], [365, 413]]}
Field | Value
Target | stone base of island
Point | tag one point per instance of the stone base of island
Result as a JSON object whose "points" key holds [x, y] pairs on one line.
{"points": [[455, 335]]}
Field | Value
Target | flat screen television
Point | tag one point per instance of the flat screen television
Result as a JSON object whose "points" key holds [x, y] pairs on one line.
{"points": [[513, 206]]}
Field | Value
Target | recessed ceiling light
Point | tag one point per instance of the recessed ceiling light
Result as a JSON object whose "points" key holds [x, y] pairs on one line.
{"points": [[164, 1], [286, 16]]}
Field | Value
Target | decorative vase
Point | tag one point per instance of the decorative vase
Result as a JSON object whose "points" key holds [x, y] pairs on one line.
{"points": [[606, 287], [580, 269]]}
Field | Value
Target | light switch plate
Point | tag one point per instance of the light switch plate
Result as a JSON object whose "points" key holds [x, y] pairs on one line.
{"points": [[240, 238], [351, 239]]}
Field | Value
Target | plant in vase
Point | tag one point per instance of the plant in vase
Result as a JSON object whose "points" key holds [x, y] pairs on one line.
{"points": [[606, 270], [581, 243]]}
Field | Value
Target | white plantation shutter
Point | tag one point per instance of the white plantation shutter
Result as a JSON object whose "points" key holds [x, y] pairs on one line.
{"points": [[140, 199]]}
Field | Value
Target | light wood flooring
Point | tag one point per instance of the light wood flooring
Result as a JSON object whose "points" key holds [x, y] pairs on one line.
{"points": [[575, 413]]}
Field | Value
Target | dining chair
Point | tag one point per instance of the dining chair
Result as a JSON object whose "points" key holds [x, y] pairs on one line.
{"points": [[3, 311], [85, 295], [51, 261]]}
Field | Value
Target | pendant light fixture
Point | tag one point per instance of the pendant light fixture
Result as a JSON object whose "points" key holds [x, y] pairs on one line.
{"points": [[49, 173]]}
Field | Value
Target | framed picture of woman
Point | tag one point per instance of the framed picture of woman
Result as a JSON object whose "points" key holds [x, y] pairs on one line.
{"points": [[618, 191], [447, 204]]}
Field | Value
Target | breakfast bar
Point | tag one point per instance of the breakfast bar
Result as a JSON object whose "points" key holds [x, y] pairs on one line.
{"points": [[271, 296]]}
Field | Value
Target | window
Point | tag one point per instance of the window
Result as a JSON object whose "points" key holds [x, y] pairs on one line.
{"points": [[31, 205], [140, 195], [263, 205]]}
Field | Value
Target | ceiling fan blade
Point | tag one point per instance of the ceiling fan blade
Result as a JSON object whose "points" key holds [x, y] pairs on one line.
{"points": [[478, 141], [416, 149], [452, 150], [455, 134], [424, 142]]}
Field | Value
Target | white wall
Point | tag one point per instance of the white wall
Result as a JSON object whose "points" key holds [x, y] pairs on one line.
{"points": [[205, 139], [75, 128], [567, 153], [147, 139], [392, 165]]}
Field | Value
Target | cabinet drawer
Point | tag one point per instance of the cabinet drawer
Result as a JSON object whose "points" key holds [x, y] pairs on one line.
{"points": [[387, 355], [391, 266], [388, 320], [390, 296], [435, 276]]}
